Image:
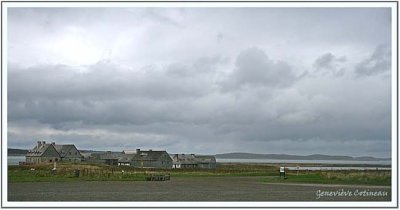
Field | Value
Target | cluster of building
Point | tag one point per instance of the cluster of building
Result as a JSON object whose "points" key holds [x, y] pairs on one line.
{"points": [[137, 158], [193, 161], [47, 153]]}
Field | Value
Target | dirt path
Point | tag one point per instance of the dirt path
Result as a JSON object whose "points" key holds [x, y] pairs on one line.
{"points": [[191, 189]]}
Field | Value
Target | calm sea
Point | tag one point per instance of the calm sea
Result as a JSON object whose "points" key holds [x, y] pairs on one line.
{"points": [[383, 162], [14, 160]]}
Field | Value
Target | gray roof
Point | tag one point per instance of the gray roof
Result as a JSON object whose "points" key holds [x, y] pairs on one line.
{"points": [[185, 159], [107, 155], [150, 155], [205, 159], [193, 159], [125, 158], [64, 149], [86, 154], [122, 157], [38, 151]]}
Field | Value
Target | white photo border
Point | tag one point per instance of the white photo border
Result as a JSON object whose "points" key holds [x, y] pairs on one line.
{"points": [[309, 4]]}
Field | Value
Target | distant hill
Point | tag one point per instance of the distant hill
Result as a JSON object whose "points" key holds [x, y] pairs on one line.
{"points": [[17, 152], [240, 155]]}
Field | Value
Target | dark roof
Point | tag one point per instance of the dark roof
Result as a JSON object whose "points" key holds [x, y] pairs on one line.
{"points": [[85, 154], [64, 149], [205, 158], [185, 159], [107, 155], [38, 151], [193, 159], [125, 158], [150, 155]]}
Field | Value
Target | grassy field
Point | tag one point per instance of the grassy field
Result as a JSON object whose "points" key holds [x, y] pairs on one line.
{"points": [[267, 173], [379, 178]]}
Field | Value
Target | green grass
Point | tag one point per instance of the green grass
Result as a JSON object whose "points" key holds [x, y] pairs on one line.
{"points": [[93, 172], [267, 173], [35, 176], [380, 178], [63, 176]]}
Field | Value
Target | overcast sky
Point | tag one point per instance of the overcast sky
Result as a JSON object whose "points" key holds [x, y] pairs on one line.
{"points": [[202, 80]]}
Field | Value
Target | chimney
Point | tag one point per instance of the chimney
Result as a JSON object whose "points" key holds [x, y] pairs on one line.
{"points": [[137, 151], [39, 143]]}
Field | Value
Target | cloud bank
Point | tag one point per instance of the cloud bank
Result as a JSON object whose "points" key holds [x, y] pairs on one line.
{"points": [[202, 80]]}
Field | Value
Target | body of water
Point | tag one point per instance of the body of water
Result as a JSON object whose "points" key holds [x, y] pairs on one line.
{"points": [[349, 162], [14, 160]]}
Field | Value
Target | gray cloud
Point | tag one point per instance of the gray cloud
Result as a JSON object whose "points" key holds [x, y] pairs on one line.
{"points": [[254, 68], [329, 63], [379, 62], [155, 79], [102, 80], [102, 94]]}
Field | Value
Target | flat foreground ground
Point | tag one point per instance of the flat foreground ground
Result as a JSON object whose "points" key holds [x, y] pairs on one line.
{"points": [[192, 189]]}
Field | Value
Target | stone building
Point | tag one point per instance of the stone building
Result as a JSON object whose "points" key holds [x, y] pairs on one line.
{"points": [[148, 159], [47, 153], [194, 161], [206, 161], [109, 158], [184, 161], [68, 153], [136, 158]]}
